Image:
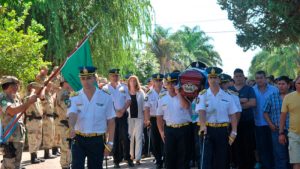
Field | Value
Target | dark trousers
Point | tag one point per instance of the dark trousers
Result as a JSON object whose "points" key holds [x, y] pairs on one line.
{"points": [[243, 148], [156, 141], [264, 146], [90, 147], [146, 143], [216, 148], [176, 147], [194, 144], [121, 140], [281, 152]]}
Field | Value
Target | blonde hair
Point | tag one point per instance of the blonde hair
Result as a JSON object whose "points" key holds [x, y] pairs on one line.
{"points": [[138, 84]]}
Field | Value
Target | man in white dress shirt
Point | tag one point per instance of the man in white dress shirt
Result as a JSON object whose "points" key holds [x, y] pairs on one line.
{"points": [[91, 115]]}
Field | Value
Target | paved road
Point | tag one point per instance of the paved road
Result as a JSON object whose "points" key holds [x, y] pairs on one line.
{"points": [[54, 163]]}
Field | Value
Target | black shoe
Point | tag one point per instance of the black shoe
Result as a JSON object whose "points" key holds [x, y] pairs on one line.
{"points": [[34, 159], [65, 168], [41, 160], [130, 163], [116, 165], [47, 155], [55, 151]]}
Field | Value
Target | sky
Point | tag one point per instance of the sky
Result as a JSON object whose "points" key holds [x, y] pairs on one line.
{"points": [[212, 20]]}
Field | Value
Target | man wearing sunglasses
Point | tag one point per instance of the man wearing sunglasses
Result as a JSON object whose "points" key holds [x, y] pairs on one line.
{"points": [[91, 115]]}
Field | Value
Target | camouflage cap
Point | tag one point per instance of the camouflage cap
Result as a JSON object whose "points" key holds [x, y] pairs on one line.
{"points": [[9, 79]]}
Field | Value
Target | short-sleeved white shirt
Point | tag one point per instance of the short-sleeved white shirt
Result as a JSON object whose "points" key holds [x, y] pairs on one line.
{"points": [[217, 108], [92, 115], [170, 108], [119, 95], [151, 101]]}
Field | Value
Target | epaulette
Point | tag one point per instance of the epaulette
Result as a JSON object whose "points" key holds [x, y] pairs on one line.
{"points": [[72, 94], [150, 91], [106, 91], [202, 92], [162, 95], [232, 92]]}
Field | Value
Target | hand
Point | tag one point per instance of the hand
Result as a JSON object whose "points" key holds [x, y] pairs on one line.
{"points": [[107, 150], [147, 123], [72, 133], [282, 139], [119, 113], [231, 138], [162, 135], [273, 127], [203, 129], [32, 99]]}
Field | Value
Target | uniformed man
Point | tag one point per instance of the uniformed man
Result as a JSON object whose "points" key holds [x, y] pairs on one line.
{"points": [[11, 107], [225, 84], [34, 123], [48, 122], [121, 99], [62, 102], [151, 102], [91, 115], [174, 109], [216, 109], [43, 75]]}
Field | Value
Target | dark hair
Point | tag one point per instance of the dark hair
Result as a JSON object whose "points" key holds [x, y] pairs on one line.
{"points": [[261, 72], [6, 85], [284, 78], [238, 70]]}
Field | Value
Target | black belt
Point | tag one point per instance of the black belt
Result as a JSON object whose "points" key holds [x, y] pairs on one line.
{"points": [[49, 115], [30, 117]]}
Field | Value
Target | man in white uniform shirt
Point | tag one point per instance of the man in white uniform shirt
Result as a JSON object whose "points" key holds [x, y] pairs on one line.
{"points": [[91, 115], [216, 110], [174, 109], [121, 99], [150, 107]]}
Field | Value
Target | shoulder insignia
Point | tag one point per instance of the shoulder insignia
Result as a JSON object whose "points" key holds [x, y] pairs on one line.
{"points": [[202, 92], [72, 94], [146, 98], [106, 91], [150, 91], [232, 92], [162, 95]]}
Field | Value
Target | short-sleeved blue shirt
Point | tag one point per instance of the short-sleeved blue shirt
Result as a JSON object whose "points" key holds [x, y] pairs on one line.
{"points": [[260, 102], [248, 93]]}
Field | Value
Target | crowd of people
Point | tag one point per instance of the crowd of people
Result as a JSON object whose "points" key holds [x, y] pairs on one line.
{"points": [[234, 123]]}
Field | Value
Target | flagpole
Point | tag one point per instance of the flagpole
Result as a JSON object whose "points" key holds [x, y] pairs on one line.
{"points": [[52, 75]]}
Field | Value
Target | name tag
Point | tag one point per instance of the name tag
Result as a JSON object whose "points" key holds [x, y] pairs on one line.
{"points": [[99, 104]]}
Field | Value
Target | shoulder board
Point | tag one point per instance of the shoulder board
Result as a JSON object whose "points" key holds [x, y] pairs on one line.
{"points": [[162, 95], [202, 91], [72, 94], [150, 91], [106, 91], [232, 92]]}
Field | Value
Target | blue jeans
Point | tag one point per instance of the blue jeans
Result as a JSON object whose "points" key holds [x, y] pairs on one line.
{"points": [[264, 146], [280, 152], [90, 147]]}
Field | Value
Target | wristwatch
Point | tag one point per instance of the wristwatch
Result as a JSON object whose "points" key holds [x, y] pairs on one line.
{"points": [[110, 143]]}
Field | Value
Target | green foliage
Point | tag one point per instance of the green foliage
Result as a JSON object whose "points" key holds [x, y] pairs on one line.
{"points": [[178, 50], [20, 50], [264, 23], [277, 61], [121, 25]]}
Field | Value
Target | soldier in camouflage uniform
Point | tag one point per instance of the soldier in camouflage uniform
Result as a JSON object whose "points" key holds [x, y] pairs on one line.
{"points": [[62, 104], [34, 123], [12, 107], [48, 121]]}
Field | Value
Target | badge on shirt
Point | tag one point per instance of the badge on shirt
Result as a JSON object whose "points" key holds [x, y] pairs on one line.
{"points": [[3, 102], [100, 104], [122, 90], [225, 100], [197, 100], [78, 104], [68, 103], [146, 98]]}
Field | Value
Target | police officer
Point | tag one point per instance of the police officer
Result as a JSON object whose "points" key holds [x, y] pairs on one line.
{"points": [[174, 109], [121, 99], [150, 107], [62, 102], [11, 107], [216, 109], [91, 115], [34, 123]]}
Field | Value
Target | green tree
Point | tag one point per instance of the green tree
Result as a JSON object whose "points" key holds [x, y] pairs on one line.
{"points": [[276, 61], [121, 25], [265, 24], [196, 47], [21, 50]]}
